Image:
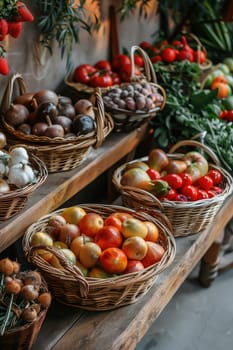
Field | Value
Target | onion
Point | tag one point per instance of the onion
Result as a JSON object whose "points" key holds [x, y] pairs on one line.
{"points": [[4, 187]]}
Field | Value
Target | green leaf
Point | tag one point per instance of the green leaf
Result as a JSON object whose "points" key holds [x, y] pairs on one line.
{"points": [[202, 98]]}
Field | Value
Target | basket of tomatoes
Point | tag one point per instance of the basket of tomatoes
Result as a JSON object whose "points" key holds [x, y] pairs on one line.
{"points": [[190, 188], [100, 257]]}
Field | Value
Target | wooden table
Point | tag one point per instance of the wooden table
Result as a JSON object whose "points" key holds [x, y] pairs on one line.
{"points": [[121, 329], [71, 328]]}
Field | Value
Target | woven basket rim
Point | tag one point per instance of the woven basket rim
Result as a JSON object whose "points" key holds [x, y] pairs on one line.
{"points": [[92, 283], [23, 191]]}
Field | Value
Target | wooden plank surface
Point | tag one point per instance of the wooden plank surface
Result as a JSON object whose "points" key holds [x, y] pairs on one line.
{"points": [[59, 187], [121, 329]]}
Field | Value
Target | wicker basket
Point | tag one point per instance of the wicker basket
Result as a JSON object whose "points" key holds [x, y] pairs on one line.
{"points": [[60, 154], [14, 201], [104, 121], [22, 338], [126, 120], [68, 286], [186, 217], [205, 66]]}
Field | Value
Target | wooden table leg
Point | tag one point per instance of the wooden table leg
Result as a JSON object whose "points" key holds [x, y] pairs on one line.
{"points": [[209, 263]]}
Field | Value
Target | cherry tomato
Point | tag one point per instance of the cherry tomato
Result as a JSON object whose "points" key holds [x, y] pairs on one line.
{"points": [[115, 78], [154, 51], [138, 60], [173, 180], [103, 64], [125, 72], [156, 58], [199, 56], [187, 179], [211, 194], [205, 182], [177, 43], [171, 195], [83, 73], [119, 61], [216, 189], [181, 198], [201, 194], [168, 54], [145, 45], [215, 175], [101, 79], [154, 174], [190, 192]]}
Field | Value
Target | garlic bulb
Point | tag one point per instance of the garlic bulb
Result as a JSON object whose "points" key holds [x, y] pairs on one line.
{"points": [[20, 174], [18, 155]]}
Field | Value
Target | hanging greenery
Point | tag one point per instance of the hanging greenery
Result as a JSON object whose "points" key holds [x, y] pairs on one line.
{"points": [[62, 21]]}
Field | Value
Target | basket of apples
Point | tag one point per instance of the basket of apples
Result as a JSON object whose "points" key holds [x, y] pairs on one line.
{"points": [[190, 188], [100, 257]]}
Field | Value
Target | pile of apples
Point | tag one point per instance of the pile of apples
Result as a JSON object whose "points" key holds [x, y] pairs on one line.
{"points": [[186, 179], [101, 247]]}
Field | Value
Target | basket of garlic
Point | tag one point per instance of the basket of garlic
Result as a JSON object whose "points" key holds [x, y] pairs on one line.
{"points": [[20, 174], [24, 302]]}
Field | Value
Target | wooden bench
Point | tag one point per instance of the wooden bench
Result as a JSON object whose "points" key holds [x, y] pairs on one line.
{"points": [[121, 328]]}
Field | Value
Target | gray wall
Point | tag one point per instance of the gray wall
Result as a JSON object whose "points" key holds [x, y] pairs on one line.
{"points": [[41, 70]]}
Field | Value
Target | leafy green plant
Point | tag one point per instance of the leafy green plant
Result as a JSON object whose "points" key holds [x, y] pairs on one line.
{"points": [[190, 111], [62, 21]]}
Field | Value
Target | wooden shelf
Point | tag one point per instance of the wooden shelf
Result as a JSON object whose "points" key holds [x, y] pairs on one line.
{"points": [[123, 328], [59, 187]]}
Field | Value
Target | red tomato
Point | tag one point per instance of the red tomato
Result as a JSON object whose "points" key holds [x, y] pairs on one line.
{"points": [[101, 79], [171, 195], [168, 54], [216, 189], [113, 221], [145, 45], [83, 73], [177, 43], [154, 174], [116, 80], [154, 51], [190, 192], [181, 198], [113, 260], [215, 175], [201, 194], [125, 72], [205, 182], [108, 237], [103, 65], [156, 58], [119, 61], [187, 179], [138, 60], [173, 180], [211, 194]]}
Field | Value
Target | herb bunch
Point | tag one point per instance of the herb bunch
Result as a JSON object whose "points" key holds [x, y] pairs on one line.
{"points": [[62, 21]]}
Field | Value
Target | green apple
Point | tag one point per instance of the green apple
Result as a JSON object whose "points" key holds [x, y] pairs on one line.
{"points": [[224, 68], [229, 79]]}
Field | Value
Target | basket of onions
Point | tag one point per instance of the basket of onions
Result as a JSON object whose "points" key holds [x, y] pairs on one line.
{"points": [[24, 302], [52, 127], [21, 173]]}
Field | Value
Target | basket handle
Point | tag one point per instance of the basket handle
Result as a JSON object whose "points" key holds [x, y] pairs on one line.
{"points": [[194, 143], [7, 96], [72, 269], [149, 70]]}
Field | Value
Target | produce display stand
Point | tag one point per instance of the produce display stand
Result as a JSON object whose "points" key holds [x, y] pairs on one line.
{"points": [[122, 328]]}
